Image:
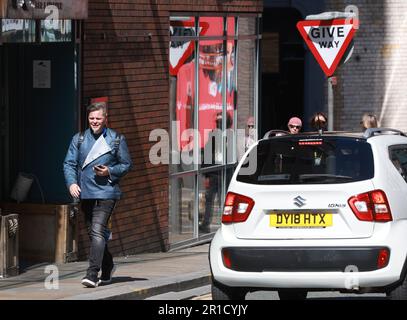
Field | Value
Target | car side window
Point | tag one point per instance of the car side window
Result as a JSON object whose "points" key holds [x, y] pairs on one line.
{"points": [[398, 156]]}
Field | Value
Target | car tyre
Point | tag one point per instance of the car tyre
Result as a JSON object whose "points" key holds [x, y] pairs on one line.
{"points": [[400, 292], [292, 294], [222, 292]]}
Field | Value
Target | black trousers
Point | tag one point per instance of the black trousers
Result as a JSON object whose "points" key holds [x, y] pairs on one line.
{"points": [[97, 214]]}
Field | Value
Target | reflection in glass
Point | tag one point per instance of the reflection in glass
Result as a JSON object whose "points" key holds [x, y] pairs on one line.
{"points": [[56, 30], [231, 26], [211, 26], [247, 25], [182, 196], [210, 195], [17, 30], [204, 98], [229, 175], [231, 87], [182, 27], [182, 96], [210, 99], [246, 94]]}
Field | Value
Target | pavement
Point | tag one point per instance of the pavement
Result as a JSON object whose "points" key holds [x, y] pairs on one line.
{"points": [[137, 277]]}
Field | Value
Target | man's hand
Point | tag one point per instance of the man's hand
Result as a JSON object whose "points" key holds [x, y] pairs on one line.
{"points": [[101, 170], [74, 190]]}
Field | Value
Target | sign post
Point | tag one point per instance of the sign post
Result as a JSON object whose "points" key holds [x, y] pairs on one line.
{"points": [[328, 36]]}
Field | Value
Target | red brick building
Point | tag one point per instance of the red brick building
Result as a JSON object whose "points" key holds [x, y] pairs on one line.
{"points": [[121, 51]]}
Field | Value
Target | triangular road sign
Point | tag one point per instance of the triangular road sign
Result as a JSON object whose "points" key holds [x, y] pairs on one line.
{"points": [[327, 40]]}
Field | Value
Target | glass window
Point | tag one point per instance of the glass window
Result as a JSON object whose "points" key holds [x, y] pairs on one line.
{"points": [[210, 189], [182, 96], [398, 157], [290, 160], [230, 92], [247, 25], [17, 30], [182, 200], [210, 100], [246, 88], [182, 27], [56, 30], [211, 26], [231, 26], [207, 71]]}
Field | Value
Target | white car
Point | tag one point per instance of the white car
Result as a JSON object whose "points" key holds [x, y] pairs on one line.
{"points": [[318, 212]]}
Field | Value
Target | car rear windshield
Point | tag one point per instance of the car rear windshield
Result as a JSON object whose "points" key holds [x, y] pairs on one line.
{"points": [[319, 160]]}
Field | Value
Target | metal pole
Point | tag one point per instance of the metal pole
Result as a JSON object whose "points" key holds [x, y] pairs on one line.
{"points": [[330, 105]]}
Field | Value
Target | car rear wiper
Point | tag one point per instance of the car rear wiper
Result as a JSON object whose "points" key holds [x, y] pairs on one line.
{"points": [[323, 176]]}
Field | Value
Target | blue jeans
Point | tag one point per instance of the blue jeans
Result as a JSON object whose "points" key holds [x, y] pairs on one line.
{"points": [[97, 214]]}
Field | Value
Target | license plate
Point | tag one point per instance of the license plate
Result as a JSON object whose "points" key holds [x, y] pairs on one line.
{"points": [[302, 220]]}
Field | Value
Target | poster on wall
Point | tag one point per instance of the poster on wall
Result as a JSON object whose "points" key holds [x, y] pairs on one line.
{"points": [[42, 74]]}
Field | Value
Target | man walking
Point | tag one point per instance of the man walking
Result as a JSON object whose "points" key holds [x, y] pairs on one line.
{"points": [[96, 160]]}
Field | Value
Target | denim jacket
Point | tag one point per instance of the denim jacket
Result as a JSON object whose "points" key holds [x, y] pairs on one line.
{"points": [[92, 186]]}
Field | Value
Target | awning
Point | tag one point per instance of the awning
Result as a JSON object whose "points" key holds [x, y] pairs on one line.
{"points": [[43, 9]]}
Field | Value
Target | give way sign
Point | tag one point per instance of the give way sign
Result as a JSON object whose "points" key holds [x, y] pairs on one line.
{"points": [[327, 40]]}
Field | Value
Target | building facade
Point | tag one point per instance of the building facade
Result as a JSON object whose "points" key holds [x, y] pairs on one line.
{"points": [[127, 51], [120, 51], [373, 79]]}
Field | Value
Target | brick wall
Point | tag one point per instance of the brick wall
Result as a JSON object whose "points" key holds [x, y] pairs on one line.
{"points": [[372, 81], [125, 54]]}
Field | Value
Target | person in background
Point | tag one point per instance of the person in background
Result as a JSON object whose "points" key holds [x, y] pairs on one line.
{"points": [[319, 121], [250, 133], [294, 125], [369, 121]]}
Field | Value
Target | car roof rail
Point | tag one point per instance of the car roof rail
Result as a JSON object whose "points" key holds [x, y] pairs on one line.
{"points": [[371, 132]]}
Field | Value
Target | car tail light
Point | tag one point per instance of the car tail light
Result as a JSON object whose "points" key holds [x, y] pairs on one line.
{"points": [[383, 258], [237, 208], [371, 206]]}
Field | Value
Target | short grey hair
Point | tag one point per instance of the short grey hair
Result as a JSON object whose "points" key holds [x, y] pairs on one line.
{"points": [[96, 106]]}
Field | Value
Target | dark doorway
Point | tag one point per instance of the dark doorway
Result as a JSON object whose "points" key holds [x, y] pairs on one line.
{"points": [[282, 86], [38, 116]]}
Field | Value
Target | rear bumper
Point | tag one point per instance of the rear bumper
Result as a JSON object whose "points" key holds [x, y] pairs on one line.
{"points": [[311, 259], [348, 264]]}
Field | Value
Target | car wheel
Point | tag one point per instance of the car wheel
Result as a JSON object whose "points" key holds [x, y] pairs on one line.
{"points": [[292, 294], [222, 292], [400, 292]]}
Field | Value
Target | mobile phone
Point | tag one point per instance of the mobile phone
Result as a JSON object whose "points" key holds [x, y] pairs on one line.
{"points": [[98, 167]]}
